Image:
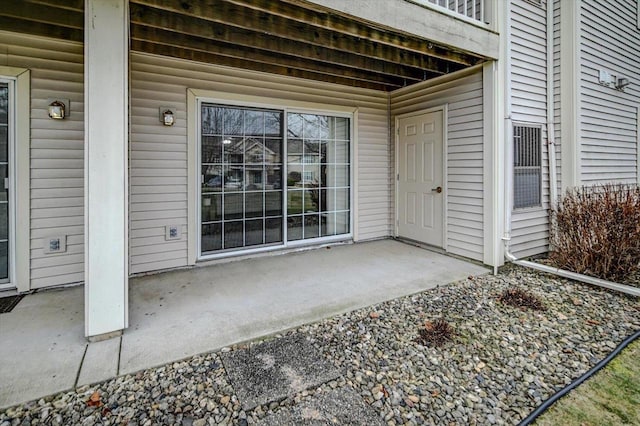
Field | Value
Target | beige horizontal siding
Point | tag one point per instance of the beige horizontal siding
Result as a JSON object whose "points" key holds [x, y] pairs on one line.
{"points": [[57, 165], [158, 175], [464, 168], [529, 227]]}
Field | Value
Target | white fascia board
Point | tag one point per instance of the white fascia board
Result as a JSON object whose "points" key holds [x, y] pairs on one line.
{"points": [[421, 21]]}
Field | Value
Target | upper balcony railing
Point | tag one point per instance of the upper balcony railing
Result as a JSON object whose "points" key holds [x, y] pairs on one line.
{"points": [[473, 11]]}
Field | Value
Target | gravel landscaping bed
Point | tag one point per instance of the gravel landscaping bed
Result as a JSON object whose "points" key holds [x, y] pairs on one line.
{"points": [[502, 363]]}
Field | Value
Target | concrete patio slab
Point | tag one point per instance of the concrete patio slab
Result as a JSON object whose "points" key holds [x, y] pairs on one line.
{"points": [[41, 345], [272, 370], [178, 314], [100, 362], [210, 307], [337, 407]]}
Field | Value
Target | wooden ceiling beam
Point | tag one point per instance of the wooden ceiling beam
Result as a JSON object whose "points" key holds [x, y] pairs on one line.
{"points": [[75, 5], [325, 18], [263, 23], [221, 34], [193, 55], [42, 14], [199, 44], [40, 29]]}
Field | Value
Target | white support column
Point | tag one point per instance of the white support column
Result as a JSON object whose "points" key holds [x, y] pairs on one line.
{"points": [[494, 170], [106, 39], [496, 118]]}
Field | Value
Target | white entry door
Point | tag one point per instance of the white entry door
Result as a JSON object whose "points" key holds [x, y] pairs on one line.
{"points": [[420, 178]]}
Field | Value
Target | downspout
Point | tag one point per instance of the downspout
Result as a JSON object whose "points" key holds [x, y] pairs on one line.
{"points": [[633, 291], [508, 131], [551, 148]]}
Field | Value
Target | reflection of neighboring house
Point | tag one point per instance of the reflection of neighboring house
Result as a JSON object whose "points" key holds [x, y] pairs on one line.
{"points": [[459, 127]]}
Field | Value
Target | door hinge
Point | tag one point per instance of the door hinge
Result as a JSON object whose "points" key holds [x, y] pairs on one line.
{"points": [[6, 183], [398, 177]]}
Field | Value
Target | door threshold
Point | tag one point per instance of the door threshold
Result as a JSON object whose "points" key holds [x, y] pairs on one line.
{"points": [[420, 244]]}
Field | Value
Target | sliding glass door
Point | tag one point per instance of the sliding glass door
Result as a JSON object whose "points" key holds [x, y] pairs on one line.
{"points": [[241, 178], [247, 163]]}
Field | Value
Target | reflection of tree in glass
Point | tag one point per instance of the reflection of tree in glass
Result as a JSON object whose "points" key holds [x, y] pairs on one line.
{"points": [[233, 121], [293, 178], [310, 126]]}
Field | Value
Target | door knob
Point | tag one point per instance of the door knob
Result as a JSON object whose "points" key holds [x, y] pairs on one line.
{"points": [[438, 189]]}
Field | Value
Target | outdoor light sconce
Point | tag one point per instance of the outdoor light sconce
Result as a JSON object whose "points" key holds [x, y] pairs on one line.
{"points": [[57, 110], [167, 116], [622, 82]]}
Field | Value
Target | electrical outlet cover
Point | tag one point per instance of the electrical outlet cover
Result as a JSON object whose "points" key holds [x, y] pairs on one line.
{"points": [[54, 244], [172, 232]]}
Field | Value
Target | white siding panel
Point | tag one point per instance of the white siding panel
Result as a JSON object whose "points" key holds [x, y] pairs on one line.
{"points": [[464, 171], [529, 107], [609, 121], [57, 165], [159, 154]]}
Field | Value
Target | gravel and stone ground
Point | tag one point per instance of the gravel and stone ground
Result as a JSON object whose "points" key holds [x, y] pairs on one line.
{"points": [[502, 363]]}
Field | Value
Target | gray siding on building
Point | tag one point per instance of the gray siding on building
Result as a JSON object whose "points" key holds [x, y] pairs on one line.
{"points": [[529, 227], [464, 170], [159, 154], [609, 117], [57, 164]]}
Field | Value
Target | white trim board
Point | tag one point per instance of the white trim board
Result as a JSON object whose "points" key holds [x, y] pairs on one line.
{"points": [[20, 271]]}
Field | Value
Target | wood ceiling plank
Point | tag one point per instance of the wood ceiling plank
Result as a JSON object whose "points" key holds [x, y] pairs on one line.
{"points": [[192, 55], [42, 14], [323, 17], [40, 29], [76, 5], [184, 27], [166, 12], [184, 41]]}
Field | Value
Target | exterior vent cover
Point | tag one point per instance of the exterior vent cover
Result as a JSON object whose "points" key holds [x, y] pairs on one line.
{"points": [[527, 166]]}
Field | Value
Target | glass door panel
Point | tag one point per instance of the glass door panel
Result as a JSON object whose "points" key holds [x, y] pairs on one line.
{"points": [[318, 176], [241, 202]]}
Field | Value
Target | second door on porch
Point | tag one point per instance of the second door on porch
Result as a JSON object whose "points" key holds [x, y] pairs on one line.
{"points": [[420, 178]]}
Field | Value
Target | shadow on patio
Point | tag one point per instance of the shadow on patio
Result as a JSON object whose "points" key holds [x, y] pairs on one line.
{"points": [[177, 314]]}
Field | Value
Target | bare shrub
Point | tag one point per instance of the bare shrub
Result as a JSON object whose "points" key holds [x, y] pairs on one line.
{"points": [[596, 231], [520, 298], [435, 333]]}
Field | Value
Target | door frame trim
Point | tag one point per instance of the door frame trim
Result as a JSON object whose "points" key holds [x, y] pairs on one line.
{"points": [[444, 108], [195, 97], [19, 178]]}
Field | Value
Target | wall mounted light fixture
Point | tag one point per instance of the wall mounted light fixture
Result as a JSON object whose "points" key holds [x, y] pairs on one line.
{"points": [[622, 82], [57, 110], [167, 115]]}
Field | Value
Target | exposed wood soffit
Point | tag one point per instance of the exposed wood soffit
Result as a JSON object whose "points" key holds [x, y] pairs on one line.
{"points": [[62, 19], [287, 37], [289, 34]]}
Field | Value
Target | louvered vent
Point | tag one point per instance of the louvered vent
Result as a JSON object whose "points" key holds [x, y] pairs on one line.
{"points": [[527, 166]]}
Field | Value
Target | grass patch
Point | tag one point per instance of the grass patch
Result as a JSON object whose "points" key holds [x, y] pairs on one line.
{"points": [[611, 397]]}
